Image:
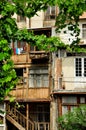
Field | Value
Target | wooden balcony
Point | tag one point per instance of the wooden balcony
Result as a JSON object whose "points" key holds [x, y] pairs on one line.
{"points": [[38, 54], [24, 93], [21, 58]]}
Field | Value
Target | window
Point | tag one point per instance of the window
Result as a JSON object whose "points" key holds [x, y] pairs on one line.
{"points": [[19, 72], [20, 18], [50, 13], [40, 112], [18, 47], [38, 77], [82, 100], [84, 31], [80, 67], [43, 113], [71, 102], [21, 78]]}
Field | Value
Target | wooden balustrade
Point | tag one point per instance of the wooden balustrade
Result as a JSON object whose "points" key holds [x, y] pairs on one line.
{"points": [[38, 54], [42, 125], [22, 58], [20, 118]]}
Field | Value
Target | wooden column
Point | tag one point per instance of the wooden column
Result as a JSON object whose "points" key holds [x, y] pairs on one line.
{"points": [[27, 116], [27, 82], [50, 74], [59, 101]]}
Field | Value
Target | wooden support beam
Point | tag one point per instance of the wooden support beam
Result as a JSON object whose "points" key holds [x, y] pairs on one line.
{"points": [[27, 115], [59, 101]]}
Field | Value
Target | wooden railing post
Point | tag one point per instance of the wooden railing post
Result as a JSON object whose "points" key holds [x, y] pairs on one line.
{"points": [[27, 114]]}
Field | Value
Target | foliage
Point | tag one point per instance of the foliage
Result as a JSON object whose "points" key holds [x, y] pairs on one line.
{"points": [[10, 31], [41, 41], [69, 14], [7, 74], [75, 120]]}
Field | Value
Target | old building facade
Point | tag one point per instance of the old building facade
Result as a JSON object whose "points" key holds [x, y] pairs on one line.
{"points": [[49, 84]]}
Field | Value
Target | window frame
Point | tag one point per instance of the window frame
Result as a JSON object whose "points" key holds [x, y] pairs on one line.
{"points": [[84, 31], [19, 47], [68, 106], [33, 83], [49, 15], [20, 18], [83, 67]]}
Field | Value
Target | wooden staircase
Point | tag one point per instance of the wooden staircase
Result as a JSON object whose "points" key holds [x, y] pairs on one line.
{"points": [[18, 120]]}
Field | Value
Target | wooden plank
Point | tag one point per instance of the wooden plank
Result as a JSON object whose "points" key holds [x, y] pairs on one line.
{"points": [[22, 58], [59, 101], [27, 116], [33, 93]]}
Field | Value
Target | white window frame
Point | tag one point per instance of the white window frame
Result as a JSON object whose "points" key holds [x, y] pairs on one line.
{"points": [[83, 73]]}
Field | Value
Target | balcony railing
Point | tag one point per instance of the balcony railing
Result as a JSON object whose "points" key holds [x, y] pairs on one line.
{"points": [[42, 125], [38, 54], [22, 90], [22, 58]]}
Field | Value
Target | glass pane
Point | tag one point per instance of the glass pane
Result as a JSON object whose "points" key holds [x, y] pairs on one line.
{"points": [[22, 19], [53, 10], [15, 44], [38, 77], [45, 81], [84, 30], [64, 110], [78, 66], [48, 11], [72, 108], [82, 100], [31, 80], [69, 100], [38, 81], [1, 106]]}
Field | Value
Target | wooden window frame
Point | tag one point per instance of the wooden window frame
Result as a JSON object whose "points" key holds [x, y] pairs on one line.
{"points": [[69, 105], [35, 79]]}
